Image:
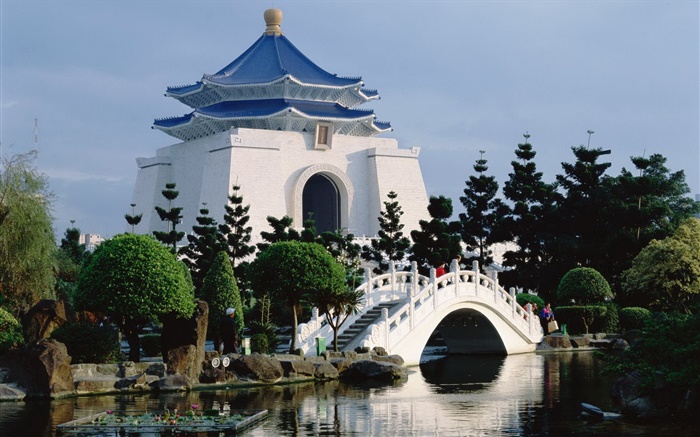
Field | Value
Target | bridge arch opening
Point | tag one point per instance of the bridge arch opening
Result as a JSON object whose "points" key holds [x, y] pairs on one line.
{"points": [[467, 331]]}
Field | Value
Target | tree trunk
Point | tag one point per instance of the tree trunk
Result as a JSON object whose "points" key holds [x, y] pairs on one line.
{"points": [[293, 344], [132, 337]]}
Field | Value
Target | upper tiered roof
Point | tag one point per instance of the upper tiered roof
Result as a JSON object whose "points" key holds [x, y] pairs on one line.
{"points": [[272, 85]]}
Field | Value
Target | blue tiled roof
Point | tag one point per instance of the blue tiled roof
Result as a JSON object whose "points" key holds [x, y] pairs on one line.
{"points": [[272, 57]]}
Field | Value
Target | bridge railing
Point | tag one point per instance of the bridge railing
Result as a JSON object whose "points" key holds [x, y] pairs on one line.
{"points": [[421, 295]]}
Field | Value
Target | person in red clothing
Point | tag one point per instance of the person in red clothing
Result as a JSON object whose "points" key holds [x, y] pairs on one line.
{"points": [[440, 270]]}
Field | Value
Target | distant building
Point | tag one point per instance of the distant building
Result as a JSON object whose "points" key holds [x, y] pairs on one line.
{"points": [[91, 241], [289, 134]]}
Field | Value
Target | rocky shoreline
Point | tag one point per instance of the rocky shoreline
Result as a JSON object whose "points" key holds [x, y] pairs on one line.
{"points": [[49, 374]]}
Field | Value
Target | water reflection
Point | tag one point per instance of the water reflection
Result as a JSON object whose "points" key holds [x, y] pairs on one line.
{"points": [[523, 395]]}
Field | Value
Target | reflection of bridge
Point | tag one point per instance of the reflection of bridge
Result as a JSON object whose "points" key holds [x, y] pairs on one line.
{"points": [[470, 310]]}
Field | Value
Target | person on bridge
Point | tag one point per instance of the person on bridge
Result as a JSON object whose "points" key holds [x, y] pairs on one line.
{"points": [[547, 316], [440, 270]]}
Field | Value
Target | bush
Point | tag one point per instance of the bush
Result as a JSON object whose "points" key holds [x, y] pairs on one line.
{"points": [[270, 331], [89, 343], [524, 298], [259, 343], [634, 317], [584, 286], [10, 331], [150, 345], [610, 322], [579, 319]]}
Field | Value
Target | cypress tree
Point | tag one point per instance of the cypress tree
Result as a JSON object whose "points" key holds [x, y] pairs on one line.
{"points": [[391, 244]]}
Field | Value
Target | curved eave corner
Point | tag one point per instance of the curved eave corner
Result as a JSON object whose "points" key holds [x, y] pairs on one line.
{"points": [[184, 90]]}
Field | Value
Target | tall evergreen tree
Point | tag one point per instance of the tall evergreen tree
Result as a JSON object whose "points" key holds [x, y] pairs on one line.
{"points": [[437, 240], [527, 221], [133, 219], [582, 222], [391, 244], [172, 215], [220, 291], [483, 210], [70, 244], [281, 231], [203, 245], [237, 234], [347, 253]]}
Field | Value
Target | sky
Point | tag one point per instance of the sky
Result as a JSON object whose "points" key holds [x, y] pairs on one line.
{"points": [[455, 78]]}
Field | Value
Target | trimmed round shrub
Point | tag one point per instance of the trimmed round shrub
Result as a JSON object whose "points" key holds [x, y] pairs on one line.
{"points": [[584, 286], [610, 322], [150, 345], [259, 343], [89, 342], [10, 331], [634, 317], [525, 298]]}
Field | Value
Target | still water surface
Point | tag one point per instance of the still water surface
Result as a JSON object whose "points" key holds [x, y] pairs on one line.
{"points": [[518, 395]]}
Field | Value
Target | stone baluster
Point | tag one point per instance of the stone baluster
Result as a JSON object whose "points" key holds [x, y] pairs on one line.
{"points": [[368, 287], [385, 317], [513, 303], [433, 286], [414, 278], [477, 280], [392, 279]]}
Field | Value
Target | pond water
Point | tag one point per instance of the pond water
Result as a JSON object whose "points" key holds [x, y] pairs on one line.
{"points": [[518, 395]]}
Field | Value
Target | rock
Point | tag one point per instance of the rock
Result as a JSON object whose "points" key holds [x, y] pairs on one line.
{"points": [[557, 341], [98, 384], [172, 383], [296, 368], [42, 368], [396, 359], [362, 350], [620, 345], [213, 375], [11, 392], [632, 400], [362, 370], [325, 371], [132, 382], [342, 364], [378, 350], [43, 318], [183, 361], [178, 332], [578, 342], [258, 367]]}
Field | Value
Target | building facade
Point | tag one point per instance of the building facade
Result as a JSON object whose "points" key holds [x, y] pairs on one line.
{"points": [[289, 134]]}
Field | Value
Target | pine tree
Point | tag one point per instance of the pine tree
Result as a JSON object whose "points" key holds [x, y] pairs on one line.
{"points": [[70, 244], [437, 240], [391, 244], [527, 221], [220, 291], [172, 215], [203, 245], [346, 253], [482, 212], [236, 234], [133, 219], [281, 231]]}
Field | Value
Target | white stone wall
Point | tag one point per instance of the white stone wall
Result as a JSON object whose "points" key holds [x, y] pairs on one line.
{"points": [[271, 168]]}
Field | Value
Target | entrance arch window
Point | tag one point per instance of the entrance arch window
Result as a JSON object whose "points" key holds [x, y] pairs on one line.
{"points": [[321, 202]]}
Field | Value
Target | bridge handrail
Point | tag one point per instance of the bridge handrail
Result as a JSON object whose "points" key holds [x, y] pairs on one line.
{"points": [[418, 290]]}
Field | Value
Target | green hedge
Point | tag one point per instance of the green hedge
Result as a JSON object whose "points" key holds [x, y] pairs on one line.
{"points": [[577, 317], [89, 342], [259, 343], [609, 323], [584, 286], [150, 345], [634, 317], [10, 331], [524, 298]]}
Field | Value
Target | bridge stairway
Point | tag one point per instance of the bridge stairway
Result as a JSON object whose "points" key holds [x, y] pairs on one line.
{"points": [[362, 323]]}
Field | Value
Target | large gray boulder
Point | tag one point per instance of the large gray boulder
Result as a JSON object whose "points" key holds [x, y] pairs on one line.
{"points": [[297, 368], [363, 370], [325, 371], [42, 369], [258, 367]]}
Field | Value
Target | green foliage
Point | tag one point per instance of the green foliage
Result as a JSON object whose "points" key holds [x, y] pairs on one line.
{"points": [[437, 240], [203, 245], [237, 234], [89, 343], [634, 317], [346, 253], [220, 290], [281, 231], [260, 344], [666, 274], [289, 270], [584, 286], [391, 244], [172, 215], [524, 298], [70, 245], [527, 222], [27, 245], [483, 211], [579, 319], [133, 219], [269, 330], [669, 344], [10, 331], [337, 306], [134, 280], [611, 321], [150, 345]]}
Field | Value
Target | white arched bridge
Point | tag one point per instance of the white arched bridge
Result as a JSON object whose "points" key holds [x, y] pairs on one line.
{"points": [[401, 310]]}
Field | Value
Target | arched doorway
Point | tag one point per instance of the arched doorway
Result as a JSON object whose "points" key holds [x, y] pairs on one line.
{"points": [[321, 201]]}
